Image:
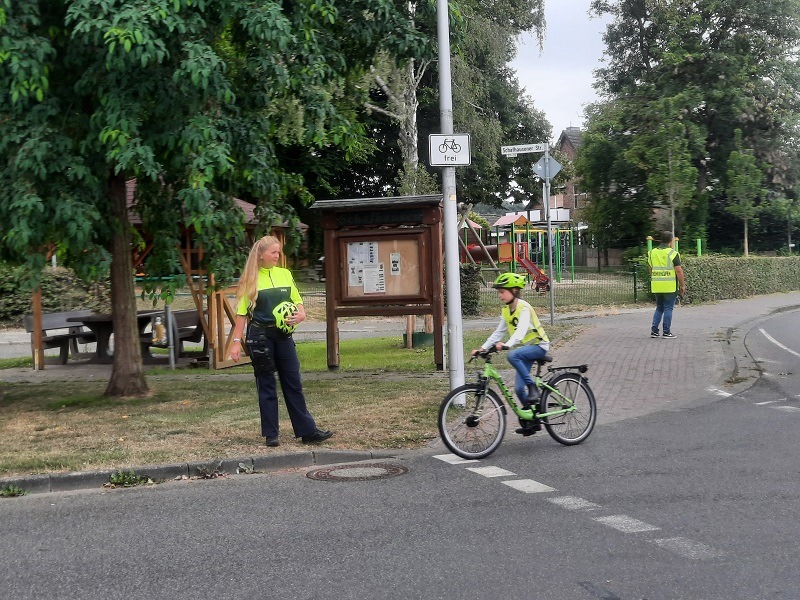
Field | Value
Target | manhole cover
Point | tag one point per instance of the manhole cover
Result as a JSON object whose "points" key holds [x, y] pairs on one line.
{"points": [[362, 472]]}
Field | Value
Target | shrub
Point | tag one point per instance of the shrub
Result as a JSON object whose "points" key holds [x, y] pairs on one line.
{"points": [[61, 291], [470, 289], [710, 278], [714, 277]]}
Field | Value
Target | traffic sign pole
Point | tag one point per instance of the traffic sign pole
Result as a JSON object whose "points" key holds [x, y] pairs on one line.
{"points": [[455, 336], [544, 168], [549, 234]]}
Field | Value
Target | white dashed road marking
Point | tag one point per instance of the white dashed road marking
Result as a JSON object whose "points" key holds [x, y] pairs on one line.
{"points": [[679, 545], [766, 402], [625, 524], [490, 471], [574, 503], [787, 408], [453, 459], [719, 392], [688, 548], [529, 486]]}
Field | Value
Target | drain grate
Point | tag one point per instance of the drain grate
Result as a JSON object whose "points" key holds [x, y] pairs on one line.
{"points": [[360, 472]]}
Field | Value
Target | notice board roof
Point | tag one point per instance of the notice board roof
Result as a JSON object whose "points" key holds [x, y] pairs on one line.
{"points": [[385, 202]]}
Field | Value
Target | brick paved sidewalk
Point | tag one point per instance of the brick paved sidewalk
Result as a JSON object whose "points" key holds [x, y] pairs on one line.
{"points": [[633, 374]]}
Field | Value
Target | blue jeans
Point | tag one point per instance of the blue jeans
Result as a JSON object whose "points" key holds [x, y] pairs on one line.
{"points": [[522, 359], [664, 305]]}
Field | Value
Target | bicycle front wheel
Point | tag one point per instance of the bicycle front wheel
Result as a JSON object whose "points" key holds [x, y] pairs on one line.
{"points": [[472, 422], [572, 391]]}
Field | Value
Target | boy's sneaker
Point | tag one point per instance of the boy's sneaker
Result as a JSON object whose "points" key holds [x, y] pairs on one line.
{"points": [[529, 427], [669, 335], [654, 334]]}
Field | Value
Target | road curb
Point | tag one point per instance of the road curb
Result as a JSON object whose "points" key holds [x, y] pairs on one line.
{"points": [[82, 480], [746, 371]]}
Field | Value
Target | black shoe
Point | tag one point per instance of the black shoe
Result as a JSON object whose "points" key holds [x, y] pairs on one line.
{"points": [[318, 436], [526, 431], [273, 441], [529, 427], [654, 334]]}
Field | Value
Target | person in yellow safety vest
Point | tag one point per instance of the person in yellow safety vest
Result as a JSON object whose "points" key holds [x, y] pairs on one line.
{"points": [[666, 275], [520, 322]]}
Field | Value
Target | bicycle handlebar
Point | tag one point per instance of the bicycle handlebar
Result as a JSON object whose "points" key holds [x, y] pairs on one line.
{"points": [[487, 352]]}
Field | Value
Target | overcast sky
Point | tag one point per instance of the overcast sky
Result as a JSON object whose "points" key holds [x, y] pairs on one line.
{"points": [[559, 79]]}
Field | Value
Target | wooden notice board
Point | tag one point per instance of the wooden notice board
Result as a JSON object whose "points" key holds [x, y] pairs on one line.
{"points": [[382, 267]]}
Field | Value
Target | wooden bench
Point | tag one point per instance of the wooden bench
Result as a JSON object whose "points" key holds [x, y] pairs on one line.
{"points": [[187, 326], [57, 332]]}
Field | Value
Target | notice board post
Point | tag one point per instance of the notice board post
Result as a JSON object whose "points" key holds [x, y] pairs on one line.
{"points": [[383, 257]]}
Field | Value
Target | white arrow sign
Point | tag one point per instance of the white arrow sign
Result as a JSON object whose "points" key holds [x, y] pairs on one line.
{"points": [[522, 149]]}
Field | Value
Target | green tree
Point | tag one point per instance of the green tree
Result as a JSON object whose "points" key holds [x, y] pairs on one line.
{"points": [[732, 63], [661, 148], [196, 100], [744, 187], [620, 210]]}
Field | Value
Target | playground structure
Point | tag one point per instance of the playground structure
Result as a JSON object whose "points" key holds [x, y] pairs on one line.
{"points": [[525, 249]]}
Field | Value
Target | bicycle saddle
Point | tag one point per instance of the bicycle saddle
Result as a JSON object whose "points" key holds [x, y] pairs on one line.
{"points": [[545, 359]]}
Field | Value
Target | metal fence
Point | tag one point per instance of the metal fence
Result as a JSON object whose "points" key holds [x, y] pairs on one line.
{"points": [[577, 289]]}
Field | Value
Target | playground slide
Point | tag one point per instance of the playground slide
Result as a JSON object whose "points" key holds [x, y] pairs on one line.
{"points": [[540, 280]]}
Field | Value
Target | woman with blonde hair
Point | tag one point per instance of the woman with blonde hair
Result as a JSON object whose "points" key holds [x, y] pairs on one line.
{"points": [[268, 298]]}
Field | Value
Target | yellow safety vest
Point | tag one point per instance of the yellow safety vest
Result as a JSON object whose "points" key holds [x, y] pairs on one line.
{"points": [[536, 334], [662, 270]]}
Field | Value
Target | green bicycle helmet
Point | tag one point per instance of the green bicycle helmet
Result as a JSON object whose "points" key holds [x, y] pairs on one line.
{"points": [[283, 311], [508, 281]]}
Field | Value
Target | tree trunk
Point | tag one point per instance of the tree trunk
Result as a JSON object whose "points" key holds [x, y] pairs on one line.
{"points": [[408, 112], [746, 245], [127, 373]]}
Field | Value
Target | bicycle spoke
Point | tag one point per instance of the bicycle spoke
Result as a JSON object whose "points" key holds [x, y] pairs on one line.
{"points": [[471, 424], [572, 392]]}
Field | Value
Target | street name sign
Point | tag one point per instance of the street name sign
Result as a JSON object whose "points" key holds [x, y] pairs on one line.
{"points": [[522, 149], [449, 150]]}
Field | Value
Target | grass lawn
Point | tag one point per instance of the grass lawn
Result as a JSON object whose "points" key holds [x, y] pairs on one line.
{"points": [[383, 397]]}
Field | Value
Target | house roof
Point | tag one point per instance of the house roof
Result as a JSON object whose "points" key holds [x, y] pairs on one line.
{"points": [[248, 209], [572, 136], [510, 219], [471, 222]]}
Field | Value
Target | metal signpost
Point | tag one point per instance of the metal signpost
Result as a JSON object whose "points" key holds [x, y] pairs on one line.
{"points": [[546, 168], [446, 150]]}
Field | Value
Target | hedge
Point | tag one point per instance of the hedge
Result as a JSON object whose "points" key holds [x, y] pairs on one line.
{"points": [[711, 278]]}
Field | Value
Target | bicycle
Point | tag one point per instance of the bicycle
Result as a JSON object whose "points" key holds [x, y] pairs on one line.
{"points": [[451, 145], [472, 417]]}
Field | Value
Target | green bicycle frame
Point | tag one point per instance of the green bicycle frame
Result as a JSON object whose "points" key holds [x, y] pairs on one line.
{"points": [[491, 374]]}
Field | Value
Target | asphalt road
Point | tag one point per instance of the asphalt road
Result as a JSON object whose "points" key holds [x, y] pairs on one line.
{"points": [[696, 502]]}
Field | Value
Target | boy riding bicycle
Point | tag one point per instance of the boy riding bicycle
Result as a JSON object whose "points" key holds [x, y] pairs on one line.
{"points": [[520, 322]]}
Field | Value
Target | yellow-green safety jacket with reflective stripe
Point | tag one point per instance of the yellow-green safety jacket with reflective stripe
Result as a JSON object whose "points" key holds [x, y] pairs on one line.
{"points": [[662, 270], [536, 333], [274, 285]]}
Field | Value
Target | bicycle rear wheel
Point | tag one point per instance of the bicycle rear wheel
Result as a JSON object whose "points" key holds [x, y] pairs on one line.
{"points": [[572, 427], [472, 423]]}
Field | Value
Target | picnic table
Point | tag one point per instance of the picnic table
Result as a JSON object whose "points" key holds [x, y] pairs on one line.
{"points": [[102, 326]]}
